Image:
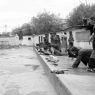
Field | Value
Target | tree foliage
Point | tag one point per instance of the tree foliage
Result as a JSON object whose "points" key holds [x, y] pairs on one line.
{"points": [[46, 22], [80, 12], [26, 29], [42, 23], [15, 31]]}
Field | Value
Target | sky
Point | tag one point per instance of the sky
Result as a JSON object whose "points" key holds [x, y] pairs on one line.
{"points": [[14, 13]]}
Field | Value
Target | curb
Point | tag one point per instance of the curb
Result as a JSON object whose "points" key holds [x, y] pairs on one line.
{"points": [[58, 85]]}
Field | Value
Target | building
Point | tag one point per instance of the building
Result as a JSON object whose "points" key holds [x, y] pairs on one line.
{"points": [[81, 37]]}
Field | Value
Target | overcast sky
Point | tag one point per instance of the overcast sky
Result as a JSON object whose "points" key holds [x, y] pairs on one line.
{"points": [[14, 13]]}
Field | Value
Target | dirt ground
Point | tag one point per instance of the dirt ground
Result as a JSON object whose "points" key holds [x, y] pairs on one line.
{"points": [[21, 73]]}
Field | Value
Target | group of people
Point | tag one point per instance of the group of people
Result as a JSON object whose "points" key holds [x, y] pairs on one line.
{"points": [[86, 56]]}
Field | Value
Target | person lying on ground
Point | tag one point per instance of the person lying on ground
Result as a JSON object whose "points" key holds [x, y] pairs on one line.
{"points": [[57, 52], [53, 59], [44, 51]]}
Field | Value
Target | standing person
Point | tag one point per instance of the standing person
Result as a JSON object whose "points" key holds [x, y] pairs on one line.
{"points": [[20, 35], [57, 42], [46, 41], [64, 43], [92, 32], [71, 39], [65, 38], [84, 21]]}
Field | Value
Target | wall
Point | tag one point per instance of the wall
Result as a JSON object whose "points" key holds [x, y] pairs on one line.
{"points": [[81, 38], [15, 41], [9, 41]]}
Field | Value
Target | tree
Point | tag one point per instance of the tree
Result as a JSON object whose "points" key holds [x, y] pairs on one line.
{"points": [[26, 29], [41, 24], [46, 22], [80, 12], [15, 31]]}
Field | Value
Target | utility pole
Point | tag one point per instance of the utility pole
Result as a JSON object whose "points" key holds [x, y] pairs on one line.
{"points": [[86, 2], [5, 28]]}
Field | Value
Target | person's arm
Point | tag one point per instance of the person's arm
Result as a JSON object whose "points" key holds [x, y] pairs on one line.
{"points": [[77, 61], [91, 38]]}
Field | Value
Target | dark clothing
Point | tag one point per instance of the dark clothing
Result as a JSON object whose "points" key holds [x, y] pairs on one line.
{"points": [[91, 63], [84, 56], [92, 60], [90, 27], [71, 40], [93, 42], [46, 40], [55, 42], [20, 34], [73, 52]]}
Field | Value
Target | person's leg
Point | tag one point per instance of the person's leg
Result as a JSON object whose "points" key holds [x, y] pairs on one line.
{"points": [[91, 63], [84, 61]]}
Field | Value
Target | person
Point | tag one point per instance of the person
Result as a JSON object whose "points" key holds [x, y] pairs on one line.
{"points": [[56, 42], [71, 39], [72, 51], [64, 43], [81, 55], [20, 35], [84, 21], [46, 41], [91, 27]]}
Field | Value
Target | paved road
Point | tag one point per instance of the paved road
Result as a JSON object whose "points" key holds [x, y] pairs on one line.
{"points": [[78, 81], [21, 73]]}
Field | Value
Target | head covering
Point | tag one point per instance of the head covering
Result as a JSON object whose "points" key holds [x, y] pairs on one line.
{"points": [[74, 51]]}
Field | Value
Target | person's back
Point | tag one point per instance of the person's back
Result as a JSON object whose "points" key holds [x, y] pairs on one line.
{"points": [[85, 52], [84, 56]]}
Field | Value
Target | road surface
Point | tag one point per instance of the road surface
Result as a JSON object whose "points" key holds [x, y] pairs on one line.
{"points": [[21, 73]]}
